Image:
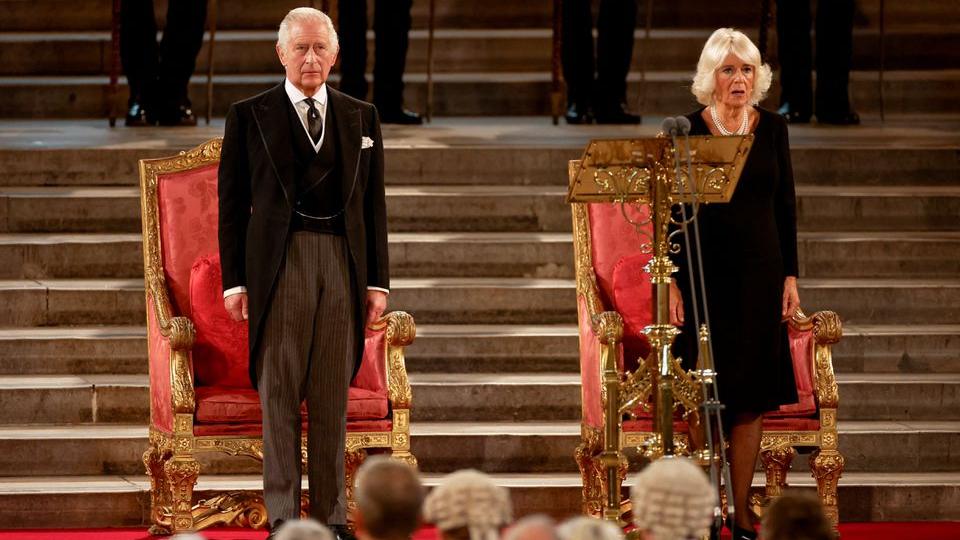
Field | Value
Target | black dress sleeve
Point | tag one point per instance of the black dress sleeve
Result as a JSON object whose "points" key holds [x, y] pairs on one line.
{"points": [[785, 200]]}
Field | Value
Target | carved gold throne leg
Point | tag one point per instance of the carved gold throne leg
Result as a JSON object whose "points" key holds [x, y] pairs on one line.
{"points": [[181, 475], [154, 459], [352, 460], [826, 466], [586, 458], [776, 465]]}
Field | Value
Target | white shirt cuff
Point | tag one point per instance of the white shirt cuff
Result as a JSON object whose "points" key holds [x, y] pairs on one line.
{"points": [[385, 291], [234, 290]]}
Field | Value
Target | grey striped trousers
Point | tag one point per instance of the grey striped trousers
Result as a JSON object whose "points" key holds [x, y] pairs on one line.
{"points": [[307, 353]]}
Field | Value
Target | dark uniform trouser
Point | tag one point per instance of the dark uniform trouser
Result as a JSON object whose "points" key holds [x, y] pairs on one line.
{"points": [[307, 352], [616, 21], [391, 26], [833, 57]]}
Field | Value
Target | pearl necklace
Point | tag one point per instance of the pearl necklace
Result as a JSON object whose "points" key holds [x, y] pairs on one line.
{"points": [[718, 123]]}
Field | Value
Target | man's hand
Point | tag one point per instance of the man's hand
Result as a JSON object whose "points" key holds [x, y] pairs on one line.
{"points": [[791, 298], [376, 305], [236, 305]]}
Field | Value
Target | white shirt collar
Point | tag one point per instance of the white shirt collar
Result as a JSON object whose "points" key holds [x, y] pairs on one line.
{"points": [[296, 96]]}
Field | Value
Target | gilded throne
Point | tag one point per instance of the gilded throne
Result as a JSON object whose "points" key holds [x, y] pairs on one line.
{"points": [[201, 401], [614, 304]]}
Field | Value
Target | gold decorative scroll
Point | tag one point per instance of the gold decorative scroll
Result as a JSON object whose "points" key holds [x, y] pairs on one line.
{"points": [[620, 170]]}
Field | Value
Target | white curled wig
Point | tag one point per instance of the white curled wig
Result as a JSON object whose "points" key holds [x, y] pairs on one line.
{"points": [[470, 499], [672, 498], [301, 15], [722, 42]]}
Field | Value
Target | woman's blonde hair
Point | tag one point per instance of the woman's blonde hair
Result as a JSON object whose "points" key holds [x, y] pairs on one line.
{"points": [[722, 42]]}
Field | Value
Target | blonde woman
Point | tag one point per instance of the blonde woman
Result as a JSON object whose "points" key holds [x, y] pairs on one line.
{"points": [[749, 252]]}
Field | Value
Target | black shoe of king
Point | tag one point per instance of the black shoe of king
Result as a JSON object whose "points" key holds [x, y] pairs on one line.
{"points": [[342, 532]]}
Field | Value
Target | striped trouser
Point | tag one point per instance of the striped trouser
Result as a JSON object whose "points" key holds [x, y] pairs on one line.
{"points": [[307, 353]]}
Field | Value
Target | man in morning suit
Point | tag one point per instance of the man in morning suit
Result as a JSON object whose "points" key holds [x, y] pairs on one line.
{"points": [[303, 245]]}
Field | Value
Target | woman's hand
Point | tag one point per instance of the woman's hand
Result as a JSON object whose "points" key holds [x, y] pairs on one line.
{"points": [[791, 298], [676, 305]]}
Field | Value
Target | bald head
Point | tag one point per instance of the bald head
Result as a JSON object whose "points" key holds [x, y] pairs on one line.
{"points": [[389, 498]]}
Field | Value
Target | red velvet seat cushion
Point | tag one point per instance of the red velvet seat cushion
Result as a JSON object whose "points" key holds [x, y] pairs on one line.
{"points": [[256, 429], [220, 352], [219, 405], [801, 351]]}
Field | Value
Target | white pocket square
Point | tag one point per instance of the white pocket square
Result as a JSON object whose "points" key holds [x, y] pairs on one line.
{"points": [[366, 142]]}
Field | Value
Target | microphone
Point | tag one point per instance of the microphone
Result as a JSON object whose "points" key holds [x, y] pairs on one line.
{"points": [[683, 125], [669, 126]]}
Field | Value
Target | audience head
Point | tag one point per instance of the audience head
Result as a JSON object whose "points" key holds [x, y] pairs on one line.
{"points": [[588, 528], [468, 505], [673, 499], [722, 46], [535, 527], [304, 529], [796, 516], [389, 497]]}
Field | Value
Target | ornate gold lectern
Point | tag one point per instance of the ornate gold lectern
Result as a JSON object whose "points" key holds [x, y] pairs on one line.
{"points": [[647, 172]]}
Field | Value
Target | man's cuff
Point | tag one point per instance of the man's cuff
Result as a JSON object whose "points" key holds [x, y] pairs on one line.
{"points": [[234, 290], [385, 291]]}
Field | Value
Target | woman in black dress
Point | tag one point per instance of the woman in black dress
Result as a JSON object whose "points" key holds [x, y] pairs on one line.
{"points": [[749, 250]]}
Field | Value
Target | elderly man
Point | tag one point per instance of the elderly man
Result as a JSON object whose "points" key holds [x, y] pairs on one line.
{"points": [[389, 499], [303, 246]]}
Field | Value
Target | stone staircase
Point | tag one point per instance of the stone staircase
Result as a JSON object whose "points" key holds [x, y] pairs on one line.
{"points": [[494, 61], [481, 253]]}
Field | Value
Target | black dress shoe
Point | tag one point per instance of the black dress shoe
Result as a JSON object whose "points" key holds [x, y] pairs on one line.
{"points": [[274, 528], [793, 116], [578, 114], [137, 116], [848, 118], [177, 116], [744, 534], [342, 532], [616, 114], [401, 116]]}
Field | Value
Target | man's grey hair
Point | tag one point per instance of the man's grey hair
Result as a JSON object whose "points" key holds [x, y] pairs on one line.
{"points": [[535, 527], [589, 528], [389, 498], [187, 536], [304, 529], [302, 15]]}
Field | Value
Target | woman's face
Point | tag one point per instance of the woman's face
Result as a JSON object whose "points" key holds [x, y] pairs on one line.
{"points": [[734, 80]]}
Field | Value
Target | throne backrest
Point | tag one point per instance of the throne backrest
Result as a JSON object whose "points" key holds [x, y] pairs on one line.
{"points": [[612, 240], [185, 207]]}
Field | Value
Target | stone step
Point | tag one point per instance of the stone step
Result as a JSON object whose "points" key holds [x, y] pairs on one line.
{"points": [[250, 14], [451, 348], [495, 208], [494, 254], [123, 501], [443, 447], [443, 397], [459, 151], [488, 49], [471, 93], [52, 302]]}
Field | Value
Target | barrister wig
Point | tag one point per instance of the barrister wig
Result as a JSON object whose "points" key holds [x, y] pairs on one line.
{"points": [[722, 42], [472, 500], [301, 15], [672, 498]]}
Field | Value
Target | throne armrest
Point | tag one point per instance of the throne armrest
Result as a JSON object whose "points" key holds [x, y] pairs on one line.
{"points": [[401, 331], [827, 330], [179, 333]]}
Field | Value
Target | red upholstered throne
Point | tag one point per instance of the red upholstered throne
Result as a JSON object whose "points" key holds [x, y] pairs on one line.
{"points": [[614, 304], [201, 398]]}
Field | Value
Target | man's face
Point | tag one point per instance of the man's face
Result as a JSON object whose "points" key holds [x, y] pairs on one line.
{"points": [[308, 55]]}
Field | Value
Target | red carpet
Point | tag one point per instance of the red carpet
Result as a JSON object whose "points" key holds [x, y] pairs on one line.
{"points": [[923, 530]]}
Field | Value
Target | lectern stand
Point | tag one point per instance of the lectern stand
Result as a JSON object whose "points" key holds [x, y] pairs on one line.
{"points": [[649, 172]]}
